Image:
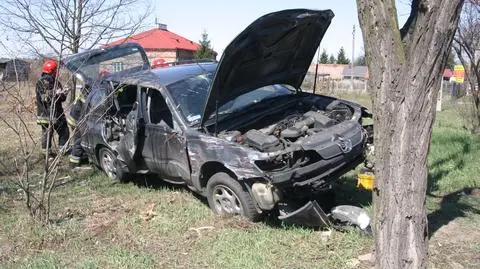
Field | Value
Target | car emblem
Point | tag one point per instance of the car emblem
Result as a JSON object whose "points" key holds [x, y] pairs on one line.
{"points": [[345, 145]]}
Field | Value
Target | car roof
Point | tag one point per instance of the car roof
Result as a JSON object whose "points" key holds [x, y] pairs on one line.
{"points": [[161, 77]]}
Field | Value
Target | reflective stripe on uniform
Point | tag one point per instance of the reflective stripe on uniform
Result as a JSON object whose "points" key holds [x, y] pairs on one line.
{"points": [[42, 121], [71, 121], [80, 98], [74, 159]]}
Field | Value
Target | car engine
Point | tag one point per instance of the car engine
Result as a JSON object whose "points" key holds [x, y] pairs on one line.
{"points": [[291, 129]]}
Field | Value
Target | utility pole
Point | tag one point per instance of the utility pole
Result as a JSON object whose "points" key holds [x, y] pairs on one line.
{"points": [[316, 71], [353, 57]]}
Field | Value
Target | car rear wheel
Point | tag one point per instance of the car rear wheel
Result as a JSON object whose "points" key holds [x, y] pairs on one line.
{"points": [[109, 164], [226, 196]]}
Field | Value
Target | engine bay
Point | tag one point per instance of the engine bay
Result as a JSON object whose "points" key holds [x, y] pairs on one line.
{"points": [[281, 130]]}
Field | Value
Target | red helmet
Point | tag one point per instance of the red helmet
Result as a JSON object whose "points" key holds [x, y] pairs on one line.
{"points": [[50, 67]]}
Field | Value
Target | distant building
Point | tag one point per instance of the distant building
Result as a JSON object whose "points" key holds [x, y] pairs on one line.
{"points": [[339, 71], [162, 46], [13, 69], [328, 71]]}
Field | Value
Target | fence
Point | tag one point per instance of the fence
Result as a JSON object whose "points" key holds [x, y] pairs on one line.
{"points": [[329, 86]]}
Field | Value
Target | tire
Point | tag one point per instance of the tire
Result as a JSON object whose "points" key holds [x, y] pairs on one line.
{"points": [[109, 164], [227, 196]]}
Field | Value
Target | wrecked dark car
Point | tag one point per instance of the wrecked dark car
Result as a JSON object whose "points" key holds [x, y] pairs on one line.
{"points": [[240, 132]]}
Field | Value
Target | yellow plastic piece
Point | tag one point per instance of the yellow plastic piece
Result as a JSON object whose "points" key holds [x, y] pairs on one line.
{"points": [[366, 181]]}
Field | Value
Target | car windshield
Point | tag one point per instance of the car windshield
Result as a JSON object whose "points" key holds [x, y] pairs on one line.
{"points": [[107, 63], [190, 95]]}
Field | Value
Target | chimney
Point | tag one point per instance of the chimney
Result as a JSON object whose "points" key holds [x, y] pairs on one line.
{"points": [[161, 26]]}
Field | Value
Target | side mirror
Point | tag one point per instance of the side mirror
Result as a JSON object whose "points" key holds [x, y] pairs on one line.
{"points": [[135, 105]]}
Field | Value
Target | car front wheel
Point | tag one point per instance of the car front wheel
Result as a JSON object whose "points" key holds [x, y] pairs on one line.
{"points": [[109, 164], [226, 196]]}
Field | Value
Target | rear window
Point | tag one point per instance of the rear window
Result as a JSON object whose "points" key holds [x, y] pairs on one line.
{"points": [[112, 62]]}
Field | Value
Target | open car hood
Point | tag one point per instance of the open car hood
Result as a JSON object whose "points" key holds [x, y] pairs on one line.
{"points": [[113, 62], [277, 48]]}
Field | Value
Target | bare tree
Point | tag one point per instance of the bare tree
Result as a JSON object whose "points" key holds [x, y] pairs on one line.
{"points": [[17, 118], [48, 25], [85, 23], [467, 47], [36, 180], [405, 67]]}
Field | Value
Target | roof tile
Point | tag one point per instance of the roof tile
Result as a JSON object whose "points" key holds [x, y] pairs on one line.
{"points": [[157, 38]]}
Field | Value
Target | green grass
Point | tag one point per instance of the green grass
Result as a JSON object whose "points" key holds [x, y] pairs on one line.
{"points": [[99, 224]]}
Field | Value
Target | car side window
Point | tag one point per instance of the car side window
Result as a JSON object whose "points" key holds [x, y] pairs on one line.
{"points": [[158, 111]]}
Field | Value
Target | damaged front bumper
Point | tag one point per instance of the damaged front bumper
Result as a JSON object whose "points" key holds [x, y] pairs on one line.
{"points": [[309, 215], [322, 158]]}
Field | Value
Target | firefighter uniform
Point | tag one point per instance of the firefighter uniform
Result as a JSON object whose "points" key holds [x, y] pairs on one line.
{"points": [[46, 97], [74, 119]]}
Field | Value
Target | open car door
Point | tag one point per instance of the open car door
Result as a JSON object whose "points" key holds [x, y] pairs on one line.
{"points": [[102, 70], [128, 147]]}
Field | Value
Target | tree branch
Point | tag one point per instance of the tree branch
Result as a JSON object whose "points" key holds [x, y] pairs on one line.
{"points": [[410, 23]]}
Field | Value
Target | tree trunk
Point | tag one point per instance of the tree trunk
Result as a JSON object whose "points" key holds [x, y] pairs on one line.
{"points": [[77, 32], [473, 79], [475, 73], [405, 69]]}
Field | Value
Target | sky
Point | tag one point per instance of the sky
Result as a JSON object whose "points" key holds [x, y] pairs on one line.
{"points": [[223, 20]]}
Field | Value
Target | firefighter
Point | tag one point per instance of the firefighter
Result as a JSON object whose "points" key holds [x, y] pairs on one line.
{"points": [[49, 99], [74, 120]]}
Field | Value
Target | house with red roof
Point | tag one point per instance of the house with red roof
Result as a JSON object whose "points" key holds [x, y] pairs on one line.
{"points": [[162, 46], [331, 71]]}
